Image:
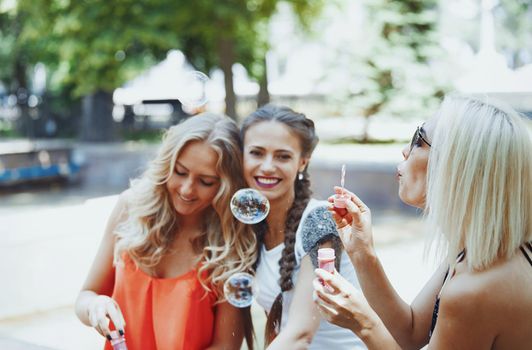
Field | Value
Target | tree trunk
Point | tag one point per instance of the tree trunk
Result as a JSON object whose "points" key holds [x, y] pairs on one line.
{"points": [[97, 122], [264, 95], [24, 123], [226, 51], [365, 130]]}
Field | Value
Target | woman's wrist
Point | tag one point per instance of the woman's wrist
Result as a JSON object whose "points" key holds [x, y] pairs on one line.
{"points": [[376, 336], [364, 255]]}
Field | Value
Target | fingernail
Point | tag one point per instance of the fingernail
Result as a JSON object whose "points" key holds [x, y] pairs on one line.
{"points": [[108, 337], [121, 332]]}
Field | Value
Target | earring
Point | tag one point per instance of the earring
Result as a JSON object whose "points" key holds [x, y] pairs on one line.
{"points": [[300, 176]]}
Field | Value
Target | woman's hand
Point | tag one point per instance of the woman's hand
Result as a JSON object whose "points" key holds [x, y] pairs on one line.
{"points": [[341, 303], [100, 310], [354, 228]]}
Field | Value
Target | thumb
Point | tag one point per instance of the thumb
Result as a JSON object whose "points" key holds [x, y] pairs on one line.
{"points": [[334, 280]]}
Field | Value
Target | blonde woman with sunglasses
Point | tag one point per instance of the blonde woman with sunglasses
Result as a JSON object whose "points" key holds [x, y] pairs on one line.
{"points": [[470, 169]]}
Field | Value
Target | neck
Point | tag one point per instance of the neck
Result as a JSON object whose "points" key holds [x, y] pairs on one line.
{"points": [[277, 217], [190, 223]]}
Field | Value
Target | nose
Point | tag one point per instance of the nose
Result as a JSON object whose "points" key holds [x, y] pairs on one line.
{"points": [[188, 189], [406, 151], [267, 165]]}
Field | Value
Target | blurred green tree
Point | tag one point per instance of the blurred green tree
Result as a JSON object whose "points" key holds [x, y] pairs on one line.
{"points": [[94, 46], [514, 30], [220, 34], [97, 45], [392, 71]]}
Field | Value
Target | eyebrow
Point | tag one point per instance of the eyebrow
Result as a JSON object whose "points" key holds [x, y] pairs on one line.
{"points": [[201, 175], [277, 150]]}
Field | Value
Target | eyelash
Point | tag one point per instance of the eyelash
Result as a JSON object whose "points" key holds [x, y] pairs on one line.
{"points": [[283, 157], [203, 182]]}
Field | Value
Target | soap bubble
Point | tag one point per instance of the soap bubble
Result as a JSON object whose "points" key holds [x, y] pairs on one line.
{"points": [[240, 289], [249, 206], [192, 90]]}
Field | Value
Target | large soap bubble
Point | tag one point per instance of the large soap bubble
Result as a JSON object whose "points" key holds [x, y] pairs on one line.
{"points": [[250, 206], [240, 289], [192, 92]]}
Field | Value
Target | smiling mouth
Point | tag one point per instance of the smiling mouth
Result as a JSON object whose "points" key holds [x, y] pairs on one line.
{"points": [[186, 200], [266, 182]]}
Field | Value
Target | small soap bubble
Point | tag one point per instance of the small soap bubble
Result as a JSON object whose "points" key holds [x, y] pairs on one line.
{"points": [[240, 289], [192, 92], [250, 206]]}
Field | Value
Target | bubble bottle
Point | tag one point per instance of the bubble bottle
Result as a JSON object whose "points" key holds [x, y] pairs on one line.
{"points": [[326, 258], [118, 341]]}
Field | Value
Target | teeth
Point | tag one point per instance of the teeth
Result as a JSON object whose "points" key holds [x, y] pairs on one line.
{"points": [[267, 181]]}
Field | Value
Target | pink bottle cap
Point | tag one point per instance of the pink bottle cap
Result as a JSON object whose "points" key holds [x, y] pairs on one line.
{"points": [[326, 253]]}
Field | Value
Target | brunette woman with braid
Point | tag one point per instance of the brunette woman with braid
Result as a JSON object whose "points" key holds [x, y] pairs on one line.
{"points": [[278, 144]]}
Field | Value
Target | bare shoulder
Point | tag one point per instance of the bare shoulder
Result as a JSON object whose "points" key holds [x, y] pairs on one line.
{"points": [[120, 211], [497, 301]]}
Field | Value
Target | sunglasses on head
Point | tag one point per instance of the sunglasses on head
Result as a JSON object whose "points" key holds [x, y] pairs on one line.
{"points": [[417, 138]]}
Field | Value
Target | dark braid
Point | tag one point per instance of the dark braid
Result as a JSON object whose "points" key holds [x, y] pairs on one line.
{"points": [[287, 263], [304, 129]]}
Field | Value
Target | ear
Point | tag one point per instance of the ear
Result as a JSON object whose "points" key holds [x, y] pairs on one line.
{"points": [[303, 162]]}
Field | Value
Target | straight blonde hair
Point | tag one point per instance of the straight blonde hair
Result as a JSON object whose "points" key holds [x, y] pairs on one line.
{"points": [[226, 246], [479, 181]]}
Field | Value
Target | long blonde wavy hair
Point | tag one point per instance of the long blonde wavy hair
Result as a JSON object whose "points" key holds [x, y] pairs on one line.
{"points": [[226, 245]]}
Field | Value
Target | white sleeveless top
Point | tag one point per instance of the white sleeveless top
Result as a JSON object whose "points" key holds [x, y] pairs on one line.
{"points": [[328, 336]]}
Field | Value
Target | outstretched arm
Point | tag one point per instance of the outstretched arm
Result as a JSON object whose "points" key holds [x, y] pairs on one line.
{"points": [[409, 324], [344, 305], [94, 306]]}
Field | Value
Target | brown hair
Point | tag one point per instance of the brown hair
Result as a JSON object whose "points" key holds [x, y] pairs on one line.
{"points": [[304, 129]]}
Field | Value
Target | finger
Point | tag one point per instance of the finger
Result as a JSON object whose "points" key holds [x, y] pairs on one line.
{"points": [[326, 310], [121, 314], [115, 316], [326, 276], [353, 197], [94, 323], [358, 202], [354, 211], [333, 280], [103, 321], [342, 190]]}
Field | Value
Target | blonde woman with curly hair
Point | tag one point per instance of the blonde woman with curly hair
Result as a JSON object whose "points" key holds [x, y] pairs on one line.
{"points": [[470, 169], [170, 244]]}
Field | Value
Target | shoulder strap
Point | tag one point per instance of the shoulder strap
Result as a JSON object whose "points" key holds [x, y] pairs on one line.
{"points": [[528, 245]]}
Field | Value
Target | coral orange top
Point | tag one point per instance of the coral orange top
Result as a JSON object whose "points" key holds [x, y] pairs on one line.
{"points": [[163, 314]]}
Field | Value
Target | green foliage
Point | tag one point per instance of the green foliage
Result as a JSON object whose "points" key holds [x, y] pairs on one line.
{"points": [[514, 30], [97, 45], [393, 70]]}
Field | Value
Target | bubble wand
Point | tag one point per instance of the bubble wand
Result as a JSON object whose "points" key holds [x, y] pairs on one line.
{"points": [[339, 199]]}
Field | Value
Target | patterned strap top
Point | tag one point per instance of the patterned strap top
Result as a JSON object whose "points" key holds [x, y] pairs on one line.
{"points": [[527, 252], [447, 277]]}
